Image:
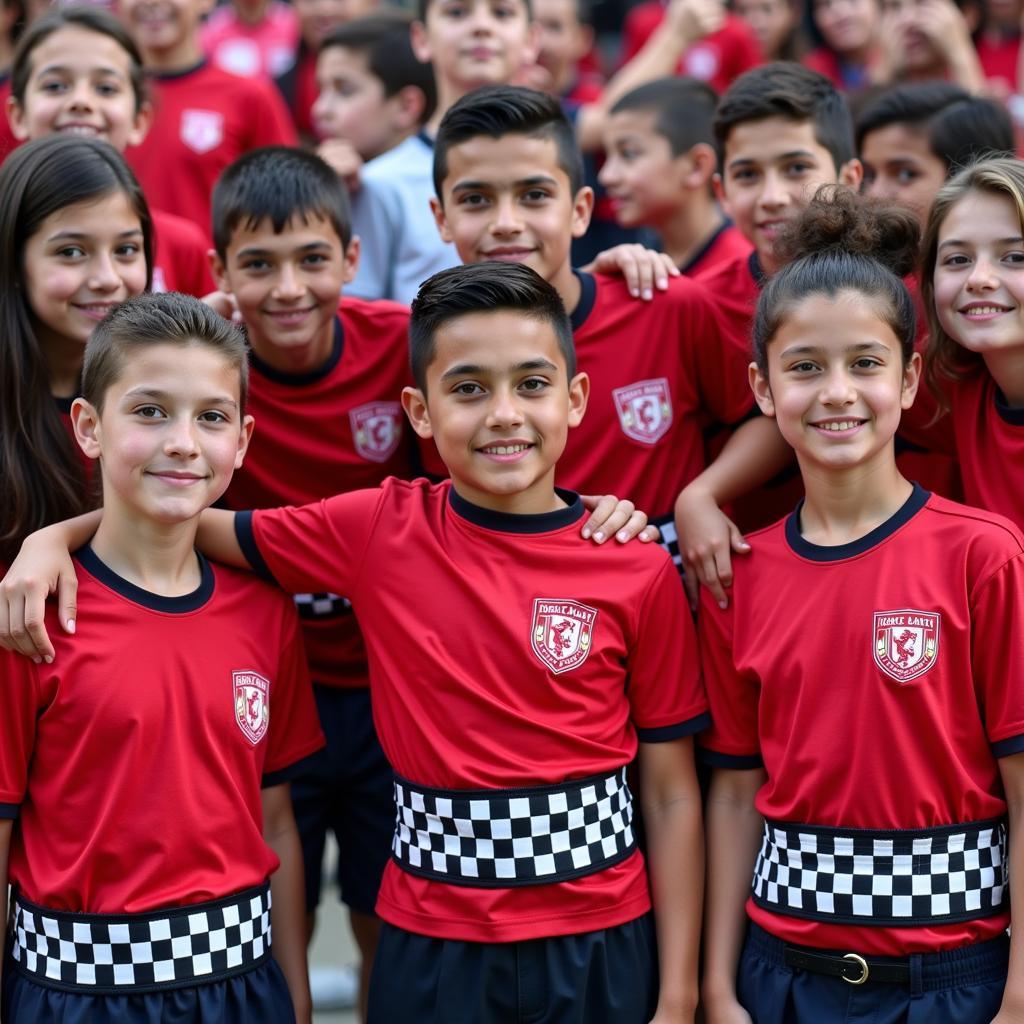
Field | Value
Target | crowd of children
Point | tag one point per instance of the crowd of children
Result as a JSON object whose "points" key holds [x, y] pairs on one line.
{"points": [[324, 326]]}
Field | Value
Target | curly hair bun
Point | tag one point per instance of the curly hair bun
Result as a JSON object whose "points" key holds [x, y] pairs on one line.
{"points": [[839, 220]]}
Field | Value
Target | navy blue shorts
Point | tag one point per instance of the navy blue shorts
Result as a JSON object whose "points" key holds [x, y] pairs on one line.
{"points": [[603, 977], [349, 792], [960, 986], [257, 995]]}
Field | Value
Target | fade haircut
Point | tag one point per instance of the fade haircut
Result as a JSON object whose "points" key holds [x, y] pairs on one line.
{"points": [[483, 288], [495, 111], [166, 318], [279, 184], [787, 90], [683, 109], [913, 105]]}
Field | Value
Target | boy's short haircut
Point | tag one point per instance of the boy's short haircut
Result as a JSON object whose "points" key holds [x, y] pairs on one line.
{"points": [[784, 89], [913, 104], [164, 318], [683, 109], [422, 6], [383, 39], [483, 288], [499, 110], [278, 183], [90, 18], [976, 128]]}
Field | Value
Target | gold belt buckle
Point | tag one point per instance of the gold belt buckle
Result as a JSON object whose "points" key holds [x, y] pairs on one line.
{"points": [[863, 964]]}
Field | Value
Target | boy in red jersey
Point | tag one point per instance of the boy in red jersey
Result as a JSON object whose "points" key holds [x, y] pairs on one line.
{"points": [[659, 162], [502, 701], [150, 793], [203, 117]]}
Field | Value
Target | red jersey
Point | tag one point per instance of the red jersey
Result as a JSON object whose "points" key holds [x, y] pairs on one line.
{"points": [[718, 59], [8, 143], [465, 696], [998, 56], [180, 263], [844, 76], [337, 429], [204, 118], [726, 245], [134, 762], [813, 692]]}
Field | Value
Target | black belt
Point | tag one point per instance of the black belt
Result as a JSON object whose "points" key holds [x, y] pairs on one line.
{"points": [[850, 967]]}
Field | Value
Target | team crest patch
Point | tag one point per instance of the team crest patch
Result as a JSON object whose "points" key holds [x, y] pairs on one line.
{"points": [[202, 130], [563, 633], [252, 704], [376, 429], [645, 410], [906, 642]]}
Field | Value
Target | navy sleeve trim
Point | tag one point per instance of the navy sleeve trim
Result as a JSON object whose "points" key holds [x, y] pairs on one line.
{"points": [[1012, 745], [738, 762], [247, 542], [666, 733], [292, 771], [9, 811]]}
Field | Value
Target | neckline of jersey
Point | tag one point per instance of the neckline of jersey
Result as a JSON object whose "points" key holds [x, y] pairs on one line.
{"points": [[826, 553], [92, 563], [756, 270], [167, 76], [304, 379], [691, 264], [1012, 414], [512, 522], [588, 296]]}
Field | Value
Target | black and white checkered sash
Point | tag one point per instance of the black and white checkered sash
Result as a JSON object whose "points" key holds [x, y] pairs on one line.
{"points": [[103, 954], [501, 838], [892, 877]]}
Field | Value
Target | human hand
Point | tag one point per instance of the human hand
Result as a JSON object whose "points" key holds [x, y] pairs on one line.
{"points": [[342, 156], [695, 19], [618, 517], [707, 538], [644, 269], [223, 304]]}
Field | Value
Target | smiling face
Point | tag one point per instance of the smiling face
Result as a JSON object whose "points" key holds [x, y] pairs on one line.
{"points": [[167, 31], [499, 413], [850, 27], [80, 83], [772, 21], [900, 166], [170, 433], [836, 382], [979, 273], [81, 262]]}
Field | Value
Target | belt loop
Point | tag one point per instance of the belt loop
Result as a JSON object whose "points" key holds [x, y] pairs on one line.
{"points": [[916, 987]]}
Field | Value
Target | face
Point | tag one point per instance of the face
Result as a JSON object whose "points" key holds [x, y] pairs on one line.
{"points": [[836, 383], [645, 181], [351, 104], [475, 42], [80, 83], [287, 287], [772, 169], [563, 40], [507, 199], [170, 434], [847, 26], [163, 26], [81, 262], [979, 274], [906, 17], [318, 17], [900, 166], [771, 21], [499, 414]]}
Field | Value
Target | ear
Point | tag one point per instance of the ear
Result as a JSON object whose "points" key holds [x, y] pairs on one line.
{"points": [[437, 208], [86, 421], [143, 122], [582, 208], [219, 271], [911, 380], [420, 42], [414, 402], [703, 161], [407, 107], [16, 119], [579, 395], [851, 174], [350, 258], [244, 437], [531, 47], [762, 391]]}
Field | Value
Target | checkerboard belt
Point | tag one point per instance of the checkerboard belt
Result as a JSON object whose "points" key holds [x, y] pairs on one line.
{"points": [[502, 838], [893, 877], [164, 949]]}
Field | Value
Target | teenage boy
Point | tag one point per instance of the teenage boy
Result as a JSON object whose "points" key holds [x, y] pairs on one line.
{"points": [[510, 702], [203, 117], [659, 162], [149, 776]]}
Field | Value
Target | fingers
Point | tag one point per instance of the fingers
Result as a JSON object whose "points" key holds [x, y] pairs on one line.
{"points": [[737, 541], [613, 517], [601, 510], [21, 628], [634, 526], [67, 601]]}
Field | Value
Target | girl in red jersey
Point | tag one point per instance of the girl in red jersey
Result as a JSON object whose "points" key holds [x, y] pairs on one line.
{"points": [[75, 240], [866, 684]]}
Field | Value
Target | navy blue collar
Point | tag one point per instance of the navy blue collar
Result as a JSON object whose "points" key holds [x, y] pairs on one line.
{"points": [[691, 264], [756, 270], [304, 379], [155, 602], [1012, 414], [588, 296], [166, 76], [510, 522]]}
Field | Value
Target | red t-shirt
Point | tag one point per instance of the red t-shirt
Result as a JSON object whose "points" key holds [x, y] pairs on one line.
{"points": [[134, 762], [718, 59], [726, 245], [204, 118], [998, 57], [180, 263], [843, 741], [445, 593], [338, 429], [8, 143]]}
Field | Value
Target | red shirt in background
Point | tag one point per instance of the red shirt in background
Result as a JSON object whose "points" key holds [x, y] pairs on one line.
{"points": [[267, 48], [180, 262]]}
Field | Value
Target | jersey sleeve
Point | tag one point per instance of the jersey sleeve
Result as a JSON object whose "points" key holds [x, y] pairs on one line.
{"points": [[732, 741], [270, 123], [666, 695], [315, 548], [294, 732], [24, 698]]}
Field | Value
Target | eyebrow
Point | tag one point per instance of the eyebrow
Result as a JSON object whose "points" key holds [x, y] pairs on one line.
{"points": [[256, 251], [156, 393], [77, 235], [47, 69], [473, 370], [792, 154], [862, 346], [958, 243], [537, 179]]}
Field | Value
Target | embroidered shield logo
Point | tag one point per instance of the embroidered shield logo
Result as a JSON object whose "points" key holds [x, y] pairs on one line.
{"points": [[376, 429], [645, 410], [562, 633], [202, 130], [252, 704], [906, 642]]}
